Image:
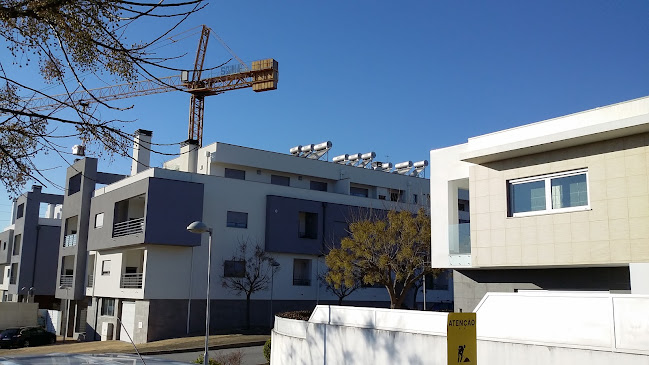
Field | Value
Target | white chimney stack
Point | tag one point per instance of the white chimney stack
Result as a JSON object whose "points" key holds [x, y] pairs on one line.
{"points": [[141, 151], [189, 155]]}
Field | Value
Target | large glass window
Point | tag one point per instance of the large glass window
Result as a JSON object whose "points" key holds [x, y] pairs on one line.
{"points": [[558, 192]]}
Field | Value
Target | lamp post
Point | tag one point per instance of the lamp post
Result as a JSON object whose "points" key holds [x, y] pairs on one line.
{"points": [[199, 227], [274, 265], [67, 312]]}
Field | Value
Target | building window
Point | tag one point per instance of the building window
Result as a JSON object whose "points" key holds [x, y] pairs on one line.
{"points": [[99, 220], [17, 241], [105, 267], [396, 195], [308, 225], [301, 272], [318, 185], [21, 211], [235, 174], [108, 307], [74, 184], [234, 269], [355, 191], [560, 192], [280, 180], [381, 197], [414, 198], [4, 246], [237, 220]]}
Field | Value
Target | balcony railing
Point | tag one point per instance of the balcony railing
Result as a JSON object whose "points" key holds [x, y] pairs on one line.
{"points": [[459, 239], [133, 281], [91, 281], [301, 282], [66, 281], [70, 240], [133, 226]]}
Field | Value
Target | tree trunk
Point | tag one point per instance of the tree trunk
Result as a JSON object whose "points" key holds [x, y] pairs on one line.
{"points": [[247, 310], [340, 300]]}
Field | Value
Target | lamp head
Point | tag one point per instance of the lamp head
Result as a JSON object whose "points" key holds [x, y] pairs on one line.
{"points": [[198, 227]]}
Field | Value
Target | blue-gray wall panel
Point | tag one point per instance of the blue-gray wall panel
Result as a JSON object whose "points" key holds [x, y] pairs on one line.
{"points": [[171, 206], [282, 224]]}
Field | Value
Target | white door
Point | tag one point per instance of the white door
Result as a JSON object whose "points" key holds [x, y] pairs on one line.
{"points": [[128, 321]]}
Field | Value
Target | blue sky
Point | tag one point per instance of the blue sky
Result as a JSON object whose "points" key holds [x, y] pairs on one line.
{"points": [[397, 78]]}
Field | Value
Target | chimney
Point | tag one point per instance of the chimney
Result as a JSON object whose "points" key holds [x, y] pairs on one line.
{"points": [[189, 155], [141, 151], [37, 188]]}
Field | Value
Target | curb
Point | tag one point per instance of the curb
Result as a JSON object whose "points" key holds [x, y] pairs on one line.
{"points": [[193, 349]]}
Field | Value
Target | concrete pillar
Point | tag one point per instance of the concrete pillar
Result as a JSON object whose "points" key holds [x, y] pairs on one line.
{"points": [[141, 151], [639, 274]]}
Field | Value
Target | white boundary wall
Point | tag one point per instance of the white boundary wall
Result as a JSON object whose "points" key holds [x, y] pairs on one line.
{"points": [[512, 328]]}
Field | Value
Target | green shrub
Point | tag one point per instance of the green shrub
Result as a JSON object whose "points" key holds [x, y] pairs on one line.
{"points": [[267, 350], [199, 360], [232, 358]]}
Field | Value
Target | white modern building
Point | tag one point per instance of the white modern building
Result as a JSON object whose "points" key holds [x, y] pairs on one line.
{"points": [[135, 260], [562, 204]]}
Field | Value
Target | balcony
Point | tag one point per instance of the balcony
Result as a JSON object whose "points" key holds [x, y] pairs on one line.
{"points": [[91, 281], [70, 240], [66, 281], [131, 281], [132, 226], [301, 282]]}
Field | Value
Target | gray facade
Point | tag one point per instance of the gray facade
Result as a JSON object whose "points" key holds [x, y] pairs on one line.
{"points": [[283, 224], [164, 204], [81, 179], [30, 246]]}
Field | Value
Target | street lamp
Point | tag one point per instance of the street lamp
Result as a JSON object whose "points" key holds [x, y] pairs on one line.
{"points": [[274, 265], [67, 312], [199, 227]]}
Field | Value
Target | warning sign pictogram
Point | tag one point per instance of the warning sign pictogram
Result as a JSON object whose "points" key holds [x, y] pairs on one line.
{"points": [[461, 341]]}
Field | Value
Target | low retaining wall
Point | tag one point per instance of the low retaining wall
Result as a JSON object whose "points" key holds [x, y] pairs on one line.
{"points": [[512, 328]]}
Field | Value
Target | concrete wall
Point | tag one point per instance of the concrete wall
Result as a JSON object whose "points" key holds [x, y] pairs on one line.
{"points": [[536, 328], [472, 285], [613, 230], [18, 314]]}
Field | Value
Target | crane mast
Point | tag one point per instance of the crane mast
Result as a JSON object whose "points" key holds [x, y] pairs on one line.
{"points": [[262, 76]]}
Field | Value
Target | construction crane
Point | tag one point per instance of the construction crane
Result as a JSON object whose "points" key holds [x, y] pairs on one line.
{"points": [[261, 76]]}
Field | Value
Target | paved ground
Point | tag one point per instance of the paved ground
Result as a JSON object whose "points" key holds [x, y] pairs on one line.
{"points": [[250, 355], [184, 344]]}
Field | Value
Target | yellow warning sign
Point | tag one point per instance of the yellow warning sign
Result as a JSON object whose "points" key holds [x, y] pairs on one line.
{"points": [[461, 345]]}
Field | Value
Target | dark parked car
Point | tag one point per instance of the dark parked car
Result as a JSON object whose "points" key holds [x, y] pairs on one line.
{"points": [[25, 337]]}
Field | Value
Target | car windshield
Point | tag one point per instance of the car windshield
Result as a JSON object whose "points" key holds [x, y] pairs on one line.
{"points": [[9, 332]]}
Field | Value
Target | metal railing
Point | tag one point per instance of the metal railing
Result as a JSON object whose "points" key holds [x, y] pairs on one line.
{"points": [[133, 281], [132, 226], [301, 282], [70, 240], [91, 280], [66, 281]]}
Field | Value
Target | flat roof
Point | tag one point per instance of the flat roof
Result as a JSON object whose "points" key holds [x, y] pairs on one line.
{"points": [[603, 123]]}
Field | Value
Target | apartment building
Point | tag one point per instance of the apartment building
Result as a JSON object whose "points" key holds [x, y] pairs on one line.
{"points": [[27, 246], [135, 262], [562, 204]]}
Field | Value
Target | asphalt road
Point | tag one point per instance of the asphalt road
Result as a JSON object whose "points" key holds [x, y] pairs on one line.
{"points": [[251, 355]]}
